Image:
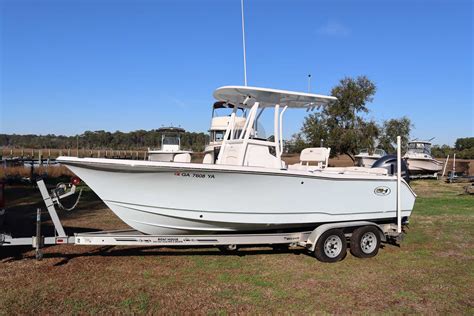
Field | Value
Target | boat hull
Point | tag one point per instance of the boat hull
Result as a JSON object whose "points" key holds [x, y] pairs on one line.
{"points": [[170, 198], [418, 166]]}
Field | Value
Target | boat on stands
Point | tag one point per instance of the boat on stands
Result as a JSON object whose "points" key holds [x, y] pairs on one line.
{"points": [[419, 159]]}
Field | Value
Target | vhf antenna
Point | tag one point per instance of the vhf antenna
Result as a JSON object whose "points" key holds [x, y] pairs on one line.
{"points": [[309, 83], [243, 41]]}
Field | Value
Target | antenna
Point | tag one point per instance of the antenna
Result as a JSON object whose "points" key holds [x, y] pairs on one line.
{"points": [[309, 84], [243, 41]]}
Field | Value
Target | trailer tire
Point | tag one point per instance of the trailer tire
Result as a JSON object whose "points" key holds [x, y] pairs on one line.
{"points": [[331, 246], [365, 242]]}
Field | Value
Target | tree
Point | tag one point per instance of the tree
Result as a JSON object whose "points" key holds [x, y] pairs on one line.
{"points": [[296, 144], [139, 139], [340, 124], [464, 143], [441, 151], [393, 128]]}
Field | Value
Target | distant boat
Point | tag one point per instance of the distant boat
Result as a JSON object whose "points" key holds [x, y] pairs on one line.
{"points": [[367, 159], [170, 150], [419, 159]]}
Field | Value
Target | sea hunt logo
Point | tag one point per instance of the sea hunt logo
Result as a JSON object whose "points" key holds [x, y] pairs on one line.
{"points": [[382, 191]]}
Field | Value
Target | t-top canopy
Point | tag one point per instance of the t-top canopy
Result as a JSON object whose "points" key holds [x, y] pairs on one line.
{"points": [[415, 141], [270, 97]]}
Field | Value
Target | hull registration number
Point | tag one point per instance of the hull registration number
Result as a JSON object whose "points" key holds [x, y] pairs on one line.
{"points": [[194, 175]]}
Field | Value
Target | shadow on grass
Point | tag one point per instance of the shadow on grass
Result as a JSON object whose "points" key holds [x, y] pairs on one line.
{"points": [[23, 201], [113, 251], [20, 222], [15, 253]]}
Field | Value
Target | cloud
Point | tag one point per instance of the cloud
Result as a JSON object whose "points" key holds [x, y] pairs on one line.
{"points": [[334, 28]]}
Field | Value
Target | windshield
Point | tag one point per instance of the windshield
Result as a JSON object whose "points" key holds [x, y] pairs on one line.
{"points": [[380, 152], [227, 112], [218, 136], [170, 140], [421, 148]]}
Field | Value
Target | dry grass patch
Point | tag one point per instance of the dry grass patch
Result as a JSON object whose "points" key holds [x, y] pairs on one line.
{"points": [[25, 172]]}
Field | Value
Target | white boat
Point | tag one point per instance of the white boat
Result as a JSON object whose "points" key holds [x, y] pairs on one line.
{"points": [[170, 150], [419, 159], [365, 158], [249, 188]]}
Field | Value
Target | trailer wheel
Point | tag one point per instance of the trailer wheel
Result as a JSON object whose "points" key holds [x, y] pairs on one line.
{"points": [[365, 242], [331, 246]]}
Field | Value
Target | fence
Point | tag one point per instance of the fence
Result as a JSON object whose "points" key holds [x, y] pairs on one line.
{"points": [[51, 154]]}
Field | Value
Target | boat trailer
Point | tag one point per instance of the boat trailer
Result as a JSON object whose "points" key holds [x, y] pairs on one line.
{"points": [[328, 242]]}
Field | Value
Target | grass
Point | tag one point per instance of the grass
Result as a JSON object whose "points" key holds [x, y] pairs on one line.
{"points": [[24, 172], [431, 273]]}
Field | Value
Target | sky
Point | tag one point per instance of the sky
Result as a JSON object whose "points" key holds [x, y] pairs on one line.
{"points": [[67, 66]]}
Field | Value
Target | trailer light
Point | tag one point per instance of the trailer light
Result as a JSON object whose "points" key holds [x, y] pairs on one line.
{"points": [[75, 181]]}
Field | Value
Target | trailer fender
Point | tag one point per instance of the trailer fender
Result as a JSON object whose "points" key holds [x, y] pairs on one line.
{"points": [[316, 233]]}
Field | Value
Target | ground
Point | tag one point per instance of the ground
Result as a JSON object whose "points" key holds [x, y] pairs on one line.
{"points": [[431, 273]]}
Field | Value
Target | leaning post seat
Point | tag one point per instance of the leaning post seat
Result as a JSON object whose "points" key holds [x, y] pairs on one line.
{"points": [[319, 155]]}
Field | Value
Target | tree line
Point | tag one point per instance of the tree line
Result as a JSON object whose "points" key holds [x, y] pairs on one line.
{"points": [[135, 140], [463, 148], [342, 125]]}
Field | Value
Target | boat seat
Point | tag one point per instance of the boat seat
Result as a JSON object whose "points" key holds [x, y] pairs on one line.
{"points": [[182, 158], [317, 155], [208, 158]]}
